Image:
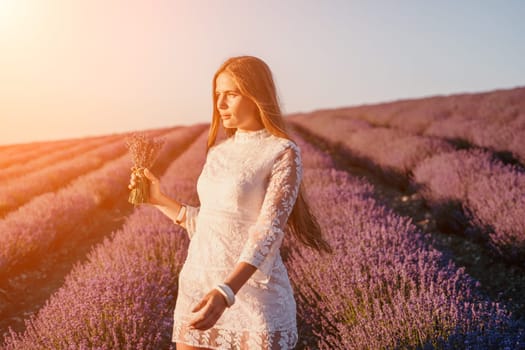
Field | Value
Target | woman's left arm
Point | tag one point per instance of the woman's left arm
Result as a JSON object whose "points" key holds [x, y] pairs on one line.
{"points": [[264, 238], [211, 307]]}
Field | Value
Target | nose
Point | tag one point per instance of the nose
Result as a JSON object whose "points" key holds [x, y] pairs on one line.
{"points": [[221, 102]]}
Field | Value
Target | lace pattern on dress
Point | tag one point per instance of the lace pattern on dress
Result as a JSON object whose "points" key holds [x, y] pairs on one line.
{"points": [[266, 235], [218, 338]]}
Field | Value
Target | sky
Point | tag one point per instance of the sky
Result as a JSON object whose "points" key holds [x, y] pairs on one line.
{"points": [[75, 68]]}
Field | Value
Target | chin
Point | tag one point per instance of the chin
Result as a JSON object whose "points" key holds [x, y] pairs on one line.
{"points": [[228, 124]]}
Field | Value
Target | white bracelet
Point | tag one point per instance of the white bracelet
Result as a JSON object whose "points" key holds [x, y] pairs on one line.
{"points": [[182, 211], [227, 292]]}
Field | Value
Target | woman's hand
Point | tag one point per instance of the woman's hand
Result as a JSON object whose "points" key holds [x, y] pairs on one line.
{"points": [[155, 195], [208, 310]]}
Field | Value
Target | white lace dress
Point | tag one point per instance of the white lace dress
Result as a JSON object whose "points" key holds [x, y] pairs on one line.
{"points": [[247, 189]]}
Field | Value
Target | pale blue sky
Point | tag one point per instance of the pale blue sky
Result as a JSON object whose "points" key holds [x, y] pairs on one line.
{"points": [[79, 68]]}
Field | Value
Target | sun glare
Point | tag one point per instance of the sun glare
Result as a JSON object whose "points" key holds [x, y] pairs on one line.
{"points": [[9, 12], [18, 17]]}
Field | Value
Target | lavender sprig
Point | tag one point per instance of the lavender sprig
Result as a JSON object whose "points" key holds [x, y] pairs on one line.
{"points": [[144, 151]]}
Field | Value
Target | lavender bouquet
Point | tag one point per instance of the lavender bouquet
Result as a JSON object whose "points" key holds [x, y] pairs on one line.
{"points": [[144, 151]]}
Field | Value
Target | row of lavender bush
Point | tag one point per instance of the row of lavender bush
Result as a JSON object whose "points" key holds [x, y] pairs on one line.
{"points": [[123, 296], [385, 286], [16, 160], [15, 155], [494, 120], [19, 154], [416, 115], [500, 137], [18, 190], [491, 195], [52, 157], [391, 153], [34, 227], [22, 189]]}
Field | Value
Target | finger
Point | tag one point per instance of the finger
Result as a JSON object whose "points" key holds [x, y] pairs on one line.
{"points": [[200, 305], [204, 325], [207, 322], [199, 322], [150, 176], [203, 314], [209, 314], [198, 319]]}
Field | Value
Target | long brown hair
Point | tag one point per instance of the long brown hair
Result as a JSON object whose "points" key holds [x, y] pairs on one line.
{"points": [[254, 80]]}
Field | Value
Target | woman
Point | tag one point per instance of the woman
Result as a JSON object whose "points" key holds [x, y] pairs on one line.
{"points": [[234, 291]]}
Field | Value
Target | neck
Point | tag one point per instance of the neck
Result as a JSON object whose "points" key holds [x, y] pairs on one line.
{"points": [[249, 130], [255, 127]]}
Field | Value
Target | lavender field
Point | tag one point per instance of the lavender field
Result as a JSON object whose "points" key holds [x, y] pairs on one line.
{"points": [[422, 200]]}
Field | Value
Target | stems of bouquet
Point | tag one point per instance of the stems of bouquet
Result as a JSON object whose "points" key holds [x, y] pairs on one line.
{"points": [[140, 193], [144, 151]]}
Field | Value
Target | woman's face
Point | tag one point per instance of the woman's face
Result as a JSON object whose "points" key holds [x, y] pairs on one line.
{"points": [[236, 110]]}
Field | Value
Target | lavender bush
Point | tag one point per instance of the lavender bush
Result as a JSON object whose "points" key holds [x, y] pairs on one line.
{"points": [[491, 194], [493, 120], [22, 189], [385, 287], [120, 299], [123, 296], [42, 175], [50, 158], [495, 135], [395, 154], [33, 228], [20, 154], [391, 153]]}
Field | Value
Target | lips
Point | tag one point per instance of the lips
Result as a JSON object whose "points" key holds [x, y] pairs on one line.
{"points": [[225, 116]]}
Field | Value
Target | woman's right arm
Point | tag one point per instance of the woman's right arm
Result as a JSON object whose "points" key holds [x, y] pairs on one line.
{"points": [[171, 208], [168, 206]]}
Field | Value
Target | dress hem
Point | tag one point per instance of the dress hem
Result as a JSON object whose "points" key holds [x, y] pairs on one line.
{"points": [[218, 338]]}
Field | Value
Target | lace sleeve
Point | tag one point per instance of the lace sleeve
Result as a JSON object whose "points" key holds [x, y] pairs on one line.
{"points": [[191, 219], [266, 235]]}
